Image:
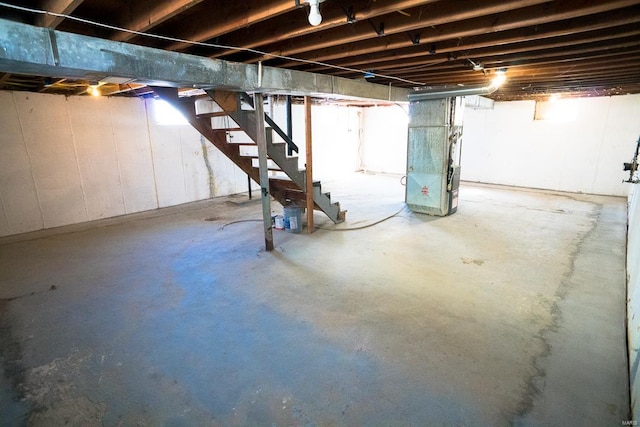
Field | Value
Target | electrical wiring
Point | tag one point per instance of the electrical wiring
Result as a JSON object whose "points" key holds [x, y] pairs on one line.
{"points": [[326, 228], [204, 44], [367, 225], [238, 222], [420, 67]]}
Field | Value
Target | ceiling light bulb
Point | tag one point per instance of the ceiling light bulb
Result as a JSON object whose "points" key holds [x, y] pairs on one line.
{"points": [[499, 79], [93, 90], [314, 14]]}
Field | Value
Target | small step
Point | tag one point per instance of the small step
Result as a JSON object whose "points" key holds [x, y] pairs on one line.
{"points": [[229, 129], [271, 165]]}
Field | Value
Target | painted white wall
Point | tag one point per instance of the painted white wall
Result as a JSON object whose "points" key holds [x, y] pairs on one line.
{"points": [[506, 145], [66, 160], [385, 130], [69, 160], [633, 292], [335, 139]]}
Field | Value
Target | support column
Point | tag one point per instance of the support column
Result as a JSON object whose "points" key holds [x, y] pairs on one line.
{"points": [[264, 171], [309, 165]]}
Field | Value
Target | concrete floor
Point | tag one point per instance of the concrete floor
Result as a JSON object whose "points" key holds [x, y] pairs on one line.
{"points": [[510, 312]]}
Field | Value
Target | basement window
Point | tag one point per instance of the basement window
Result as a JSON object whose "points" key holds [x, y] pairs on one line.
{"points": [[556, 110], [165, 115]]}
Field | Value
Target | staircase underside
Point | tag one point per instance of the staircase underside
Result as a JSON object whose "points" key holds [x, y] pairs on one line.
{"points": [[288, 183]]}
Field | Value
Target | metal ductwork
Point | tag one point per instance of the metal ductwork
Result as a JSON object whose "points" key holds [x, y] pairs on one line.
{"points": [[445, 92]]}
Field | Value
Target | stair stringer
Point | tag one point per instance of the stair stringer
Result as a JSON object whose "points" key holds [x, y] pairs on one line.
{"points": [[230, 102]]}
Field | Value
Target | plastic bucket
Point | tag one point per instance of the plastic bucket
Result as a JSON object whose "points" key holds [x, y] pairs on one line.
{"points": [[293, 219]]}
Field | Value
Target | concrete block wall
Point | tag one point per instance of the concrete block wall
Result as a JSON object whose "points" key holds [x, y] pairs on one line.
{"points": [[66, 160], [633, 296]]}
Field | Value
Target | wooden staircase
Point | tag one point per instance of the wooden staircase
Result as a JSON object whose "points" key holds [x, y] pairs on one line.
{"points": [[225, 117]]}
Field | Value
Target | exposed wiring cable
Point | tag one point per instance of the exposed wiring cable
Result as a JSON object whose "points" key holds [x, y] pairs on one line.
{"points": [[239, 221], [367, 225], [326, 228], [205, 44]]}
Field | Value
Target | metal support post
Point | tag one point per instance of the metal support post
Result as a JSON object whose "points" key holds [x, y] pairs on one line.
{"points": [[289, 124], [264, 171]]}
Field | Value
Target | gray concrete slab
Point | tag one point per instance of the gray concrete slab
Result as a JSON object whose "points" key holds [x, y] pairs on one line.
{"points": [[511, 311]]}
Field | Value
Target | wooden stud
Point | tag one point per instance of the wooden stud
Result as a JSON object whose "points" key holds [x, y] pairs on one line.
{"points": [[309, 161]]}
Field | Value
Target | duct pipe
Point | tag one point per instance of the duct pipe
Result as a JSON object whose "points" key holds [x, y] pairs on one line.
{"points": [[444, 92]]}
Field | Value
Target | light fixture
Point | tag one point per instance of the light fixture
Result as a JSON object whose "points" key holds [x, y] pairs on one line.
{"points": [[476, 66], [314, 12], [94, 90], [500, 76]]}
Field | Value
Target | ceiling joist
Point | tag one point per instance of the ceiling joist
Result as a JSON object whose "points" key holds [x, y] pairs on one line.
{"points": [[152, 15], [63, 7], [404, 43]]}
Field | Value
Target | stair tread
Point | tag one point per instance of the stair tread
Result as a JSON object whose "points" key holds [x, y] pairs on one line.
{"points": [[230, 129], [283, 187], [213, 114]]}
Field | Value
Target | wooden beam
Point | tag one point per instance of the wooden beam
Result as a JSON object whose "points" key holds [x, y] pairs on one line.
{"points": [[264, 171], [4, 77], [256, 11], [430, 16], [397, 49], [52, 85], [113, 89], [65, 7], [26, 49], [331, 18], [309, 163], [529, 23], [153, 16], [430, 64]]}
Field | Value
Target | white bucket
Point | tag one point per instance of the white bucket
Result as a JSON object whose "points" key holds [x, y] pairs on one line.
{"points": [[279, 222]]}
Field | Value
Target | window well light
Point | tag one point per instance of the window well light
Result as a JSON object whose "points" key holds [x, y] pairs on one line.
{"points": [[165, 114], [314, 13]]}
